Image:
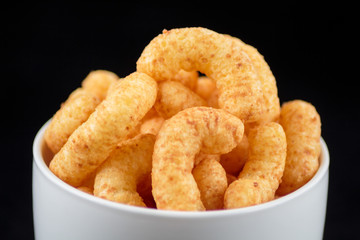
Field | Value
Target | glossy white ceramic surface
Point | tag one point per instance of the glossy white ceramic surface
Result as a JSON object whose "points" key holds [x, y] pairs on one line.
{"points": [[63, 212]]}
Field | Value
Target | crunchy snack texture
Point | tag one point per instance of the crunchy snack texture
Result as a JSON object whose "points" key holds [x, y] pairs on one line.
{"points": [[169, 138], [220, 58], [117, 178], [76, 110], [302, 126], [213, 131], [98, 82], [262, 172], [174, 97], [112, 121], [211, 180]]}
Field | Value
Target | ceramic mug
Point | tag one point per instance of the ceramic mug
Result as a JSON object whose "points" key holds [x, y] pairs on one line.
{"points": [[63, 212]]}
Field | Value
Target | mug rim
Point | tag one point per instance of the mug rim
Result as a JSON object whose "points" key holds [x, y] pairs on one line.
{"points": [[40, 163]]}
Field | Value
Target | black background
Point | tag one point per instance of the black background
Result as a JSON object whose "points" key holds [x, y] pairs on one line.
{"points": [[48, 49]]}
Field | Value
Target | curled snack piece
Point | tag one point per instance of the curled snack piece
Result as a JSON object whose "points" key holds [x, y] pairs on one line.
{"points": [[152, 125], [262, 173], [211, 180], [271, 100], [247, 192], [203, 156], [188, 79], [76, 110], [212, 101], [213, 131], [174, 97], [205, 87], [234, 161], [98, 82], [117, 178], [218, 57], [112, 121], [302, 126]]}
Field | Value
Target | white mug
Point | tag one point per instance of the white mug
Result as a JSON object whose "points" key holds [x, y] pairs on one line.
{"points": [[63, 212]]}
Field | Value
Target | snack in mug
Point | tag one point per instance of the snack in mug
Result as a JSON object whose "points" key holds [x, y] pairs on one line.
{"points": [[152, 125], [271, 100], [73, 112], [211, 180], [302, 126], [98, 82], [235, 160], [113, 120], [262, 173], [86, 190], [78, 107], [204, 156], [174, 97], [188, 79], [118, 177], [218, 57], [180, 139], [165, 138], [205, 86]]}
